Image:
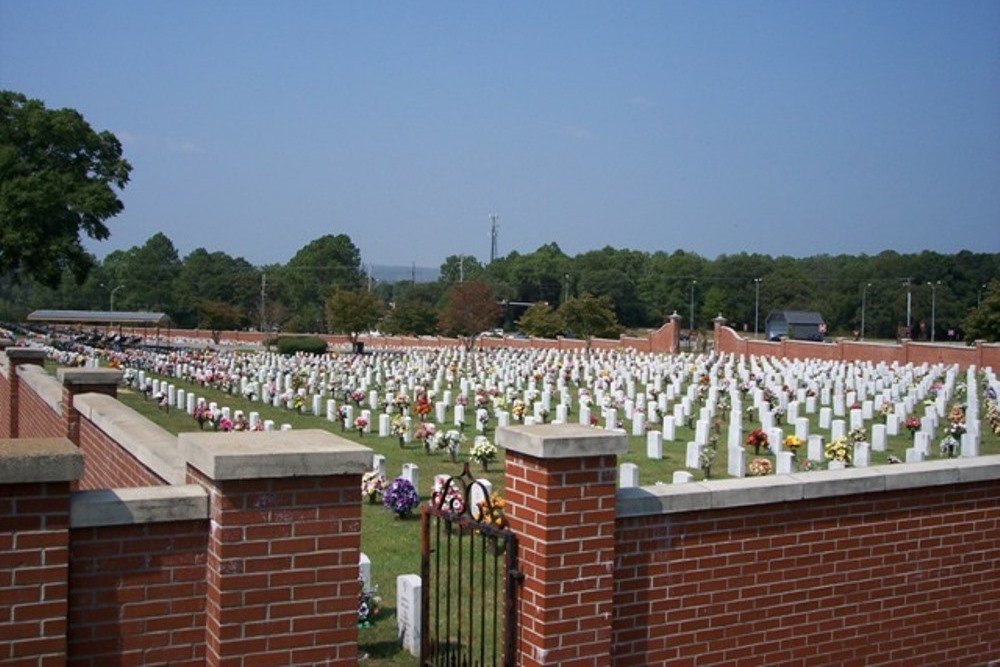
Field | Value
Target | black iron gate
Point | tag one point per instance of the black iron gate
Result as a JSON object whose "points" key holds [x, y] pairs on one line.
{"points": [[469, 577]]}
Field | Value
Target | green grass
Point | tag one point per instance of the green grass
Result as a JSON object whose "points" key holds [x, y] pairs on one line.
{"points": [[393, 544]]}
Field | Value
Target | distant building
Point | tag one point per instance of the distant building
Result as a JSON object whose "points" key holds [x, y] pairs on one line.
{"points": [[795, 324]]}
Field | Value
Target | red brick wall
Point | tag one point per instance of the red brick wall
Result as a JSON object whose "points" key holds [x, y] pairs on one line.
{"points": [[138, 594], [7, 404], [110, 466], [282, 570], [981, 355], [36, 419], [562, 511], [34, 545], [900, 578]]}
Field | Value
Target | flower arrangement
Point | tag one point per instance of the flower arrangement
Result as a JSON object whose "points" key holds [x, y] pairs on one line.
{"points": [[357, 396], [517, 409], [857, 435], [361, 424], [422, 407], [483, 451], [706, 458], [372, 485], [886, 410], [451, 440], [452, 501], [369, 605], [298, 402], [955, 429], [757, 439], [949, 447], [892, 458], [398, 428], [808, 465], [491, 512], [425, 433], [838, 450], [402, 403], [225, 424], [779, 415], [793, 443], [759, 467], [913, 425], [342, 416], [400, 497]]}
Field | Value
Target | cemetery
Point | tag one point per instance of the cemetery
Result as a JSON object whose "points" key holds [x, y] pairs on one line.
{"points": [[860, 488]]}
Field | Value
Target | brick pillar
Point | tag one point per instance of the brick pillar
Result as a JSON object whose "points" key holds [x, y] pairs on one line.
{"points": [[81, 381], [282, 563], [717, 325], [16, 356], [675, 332], [35, 476], [560, 488]]}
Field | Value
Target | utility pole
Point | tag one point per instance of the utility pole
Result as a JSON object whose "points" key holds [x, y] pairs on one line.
{"points": [[461, 269], [493, 237], [909, 307], [263, 300]]}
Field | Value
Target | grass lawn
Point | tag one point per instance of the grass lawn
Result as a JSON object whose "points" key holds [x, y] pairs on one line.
{"points": [[394, 545]]}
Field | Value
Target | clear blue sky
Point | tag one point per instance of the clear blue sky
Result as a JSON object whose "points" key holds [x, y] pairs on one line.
{"points": [[780, 127]]}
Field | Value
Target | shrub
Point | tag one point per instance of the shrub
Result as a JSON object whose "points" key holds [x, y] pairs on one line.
{"points": [[306, 344]]}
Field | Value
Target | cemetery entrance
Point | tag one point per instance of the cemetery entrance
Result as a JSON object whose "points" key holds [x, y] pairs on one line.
{"points": [[469, 577]]}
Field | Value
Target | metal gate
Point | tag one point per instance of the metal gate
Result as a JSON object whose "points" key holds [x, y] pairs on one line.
{"points": [[469, 577]]}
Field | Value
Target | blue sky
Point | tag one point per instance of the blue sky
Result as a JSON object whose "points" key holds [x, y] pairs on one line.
{"points": [[780, 127]]}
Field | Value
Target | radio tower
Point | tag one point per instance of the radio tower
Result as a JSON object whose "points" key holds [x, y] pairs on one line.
{"points": [[493, 238]]}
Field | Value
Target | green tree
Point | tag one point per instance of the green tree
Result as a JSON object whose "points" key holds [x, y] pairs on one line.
{"points": [[459, 268], [414, 309], [470, 309], [353, 312], [148, 274], [983, 322], [588, 316], [216, 277], [541, 320], [325, 264], [58, 179]]}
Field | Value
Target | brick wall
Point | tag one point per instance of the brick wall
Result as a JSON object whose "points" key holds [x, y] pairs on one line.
{"points": [[902, 578], [981, 355], [117, 467], [249, 556], [898, 565], [138, 594]]}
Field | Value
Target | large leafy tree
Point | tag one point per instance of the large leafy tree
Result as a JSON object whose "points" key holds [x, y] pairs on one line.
{"points": [[471, 308], [541, 320], [353, 312], [983, 322], [216, 277], [59, 178], [329, 263], [588, 316]]}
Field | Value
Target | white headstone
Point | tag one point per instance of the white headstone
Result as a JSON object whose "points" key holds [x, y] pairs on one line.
{"points": [[682, 477], [669, 428], [878, 438], [654, 445], [970, 445], [914, 455], [383, 425], [365, 570], [737, 462], [862, 455], [411, 472], [693, 459], [783, 463], [628, 476], [815, 446], [408, 597], [378, 464]]}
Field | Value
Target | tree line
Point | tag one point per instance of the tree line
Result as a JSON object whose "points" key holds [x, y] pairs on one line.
{"points": [[323, 288]]}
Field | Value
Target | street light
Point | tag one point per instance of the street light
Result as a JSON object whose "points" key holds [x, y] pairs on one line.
{"points": [[864, 293], [934, 287], [756, 305], [112, 291], [909, 303], [693, 283], [979, 296]]}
